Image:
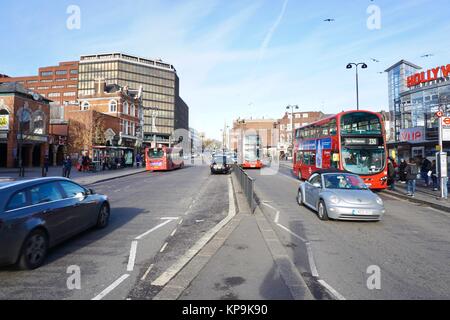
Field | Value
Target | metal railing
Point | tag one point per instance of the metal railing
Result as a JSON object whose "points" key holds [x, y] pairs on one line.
{"points": [[247, 185]]}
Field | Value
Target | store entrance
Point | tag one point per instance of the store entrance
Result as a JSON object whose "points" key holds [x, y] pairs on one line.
{"points": [[3, 155]]}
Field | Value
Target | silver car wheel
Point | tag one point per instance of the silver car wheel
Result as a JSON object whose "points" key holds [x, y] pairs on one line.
{"points": [[300, 198], [36, 248]]}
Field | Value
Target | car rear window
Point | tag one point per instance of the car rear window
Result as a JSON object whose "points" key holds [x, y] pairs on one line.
{"points": [[18, 200]]}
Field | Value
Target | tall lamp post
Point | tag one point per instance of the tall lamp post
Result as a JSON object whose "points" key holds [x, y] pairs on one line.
{"points": [[356, 65], [292, 108]]}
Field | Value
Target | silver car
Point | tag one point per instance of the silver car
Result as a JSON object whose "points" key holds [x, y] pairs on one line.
{"points": [[339, 195]]}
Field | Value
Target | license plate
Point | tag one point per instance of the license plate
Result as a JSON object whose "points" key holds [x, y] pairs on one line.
{"points": [[157, 164], [362, 212], [253, 165]]}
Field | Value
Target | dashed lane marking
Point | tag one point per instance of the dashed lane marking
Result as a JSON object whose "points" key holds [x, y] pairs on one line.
{"points": [[108, 290]]}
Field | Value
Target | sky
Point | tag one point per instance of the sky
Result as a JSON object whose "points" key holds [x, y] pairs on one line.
{"points": [[239, 58]]}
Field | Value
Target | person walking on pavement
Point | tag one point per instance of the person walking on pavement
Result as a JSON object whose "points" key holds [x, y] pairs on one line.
{"points": [[434, 176], [411, 176], [46, 165], [402, 171], [424, 170], [391, 174], [67, 167]]}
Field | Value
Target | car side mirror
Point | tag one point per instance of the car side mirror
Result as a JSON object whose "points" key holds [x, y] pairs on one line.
{"points": [[317, 185], [91, 191]]}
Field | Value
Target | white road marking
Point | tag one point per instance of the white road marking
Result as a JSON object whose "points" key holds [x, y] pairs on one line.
{"points": [[147, 272], [292, 233], [171, 272], [132, 258], [153, 229], [108, 290], [181, 221], [170, 218], [173, 233], [336, 294], [312, 263], [277, 217], [164, 247]]}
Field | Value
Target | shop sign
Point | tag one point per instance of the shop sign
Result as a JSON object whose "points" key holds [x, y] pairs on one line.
{"points": [[4, 122], [429, 75], [413, 135]]}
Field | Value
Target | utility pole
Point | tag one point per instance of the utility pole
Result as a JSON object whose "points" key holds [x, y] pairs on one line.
{"points": [[292, 108]]}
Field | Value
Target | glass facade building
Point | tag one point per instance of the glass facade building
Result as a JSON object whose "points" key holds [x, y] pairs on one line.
{"points": [[413, 110], [397, 84], [159, 82]]}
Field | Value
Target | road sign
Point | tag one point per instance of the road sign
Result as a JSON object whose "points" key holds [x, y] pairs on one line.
{"points": [[445, 129], [439, 114]]}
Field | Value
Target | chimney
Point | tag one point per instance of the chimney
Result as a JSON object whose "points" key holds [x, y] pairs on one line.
{"points": [[100, 86]]}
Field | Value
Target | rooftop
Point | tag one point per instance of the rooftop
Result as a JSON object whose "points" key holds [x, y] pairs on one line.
{"points": [[403, 62], [157, 63]]}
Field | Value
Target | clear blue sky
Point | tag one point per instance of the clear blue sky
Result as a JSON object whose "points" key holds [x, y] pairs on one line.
{"points": [[238, 58]]}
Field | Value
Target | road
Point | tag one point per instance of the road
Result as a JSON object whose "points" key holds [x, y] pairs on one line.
{"points": [[410, 246], [170, 211]]}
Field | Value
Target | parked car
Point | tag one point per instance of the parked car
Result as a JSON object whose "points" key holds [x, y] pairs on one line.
{"points": [[221, 164], [340, 195], [36, 215]]}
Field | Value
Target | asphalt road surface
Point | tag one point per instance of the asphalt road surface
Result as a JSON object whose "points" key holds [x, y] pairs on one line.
{"points": [[168, 212], [411, 246]]}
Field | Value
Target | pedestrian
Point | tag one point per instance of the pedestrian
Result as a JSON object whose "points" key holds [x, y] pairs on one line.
{"points": [[402, 171], [138, 160], [46, 165], [67, 167], [424, 171], [434, 176], [391, 174], [411, 176]]}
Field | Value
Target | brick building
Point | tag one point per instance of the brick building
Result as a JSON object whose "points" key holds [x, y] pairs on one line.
{"points": [[265, 128], [57, 83], [24, 125], [106, 123]]}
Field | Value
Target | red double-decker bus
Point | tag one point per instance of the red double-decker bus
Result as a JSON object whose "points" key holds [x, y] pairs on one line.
{"points": [[354, 141], [163, 159]]}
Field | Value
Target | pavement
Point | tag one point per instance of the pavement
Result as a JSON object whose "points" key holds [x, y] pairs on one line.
{"points": [[84, 178]]}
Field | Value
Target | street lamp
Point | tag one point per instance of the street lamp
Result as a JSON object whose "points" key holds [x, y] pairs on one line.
{"points": [[356, 65], [292, 108]]}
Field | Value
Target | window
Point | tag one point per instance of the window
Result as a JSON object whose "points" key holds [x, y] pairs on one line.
{"points": [[333, 127], [85, 105], [133, 110], [113, 106], [316, 179], [360, 123], [305, 115], [45, 193], [125, 107], [70, 94], [38, 123], [19, 200], [61, 72], [58, 87], [46, 73], [24, 116], [73, 71], [54, 94], [72, 190]]}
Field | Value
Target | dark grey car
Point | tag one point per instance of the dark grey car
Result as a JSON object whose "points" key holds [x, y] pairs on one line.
{"points": [[36, 215]]}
